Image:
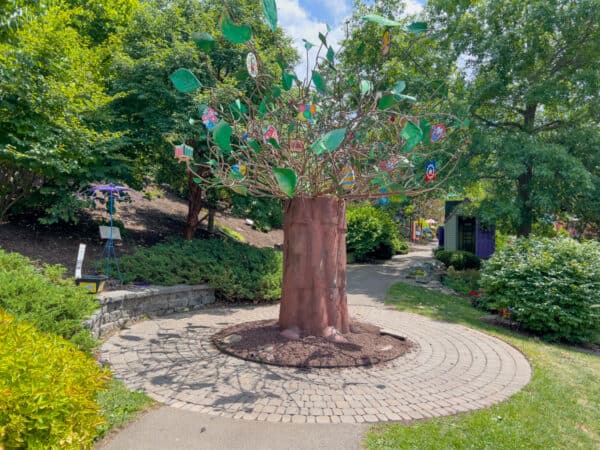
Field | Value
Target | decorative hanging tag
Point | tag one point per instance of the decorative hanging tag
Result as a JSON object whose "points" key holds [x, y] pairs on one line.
{"points": [[252, 65], [438, 131], [184, 152], [209, 118], [271, 133], [296, 146], [348, 180], [430, 171], [390, 164], [386, 43]]}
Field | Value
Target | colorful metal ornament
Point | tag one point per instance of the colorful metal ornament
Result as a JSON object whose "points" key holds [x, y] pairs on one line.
{"points": [[386, 43], [307, 111], [383, 200], [296, 146], [239, 169], [209, 118], [390, 164], [252, 65], [438, 131], [271, 133], [184, 152], [430, 171], [348, 180]]}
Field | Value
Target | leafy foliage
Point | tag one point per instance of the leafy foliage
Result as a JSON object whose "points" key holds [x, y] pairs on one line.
{"points": [[531, 84], [462, 281], [119, 405], [265, 212], [372, 233], [236, 271], [550, 285], [49, 390], [45, 299], [458, 259]]}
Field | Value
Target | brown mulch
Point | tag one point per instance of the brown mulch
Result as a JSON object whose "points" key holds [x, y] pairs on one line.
{"points": [[262, 342]]}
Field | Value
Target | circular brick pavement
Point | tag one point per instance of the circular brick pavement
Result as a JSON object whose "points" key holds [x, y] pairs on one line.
{"points": [[452, 369]]}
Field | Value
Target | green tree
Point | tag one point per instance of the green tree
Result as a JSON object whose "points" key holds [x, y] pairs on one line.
{"points": [[152, 114], [532, 85], [53, 101]]}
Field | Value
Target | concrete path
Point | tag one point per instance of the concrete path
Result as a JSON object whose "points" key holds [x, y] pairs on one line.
{"points": [[219, 402]]}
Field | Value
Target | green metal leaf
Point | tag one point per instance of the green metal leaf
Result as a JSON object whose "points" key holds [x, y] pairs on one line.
{"points": [[328, 27], [405, 97], [379, 20], [270, 10], [184, 81], [365, 87], [308, 45], [330, 55], [222, 136], [412, 134], [238, 109], [242, 190], [319, 81], [417, 27], [387, 101], [329, 141], [287, 80], [255, 145], [274, 143], [323, 39], [197, 180], [426, 130], [275, 92], [203, 41], [398, 88], [238, 34], [286, 178]]}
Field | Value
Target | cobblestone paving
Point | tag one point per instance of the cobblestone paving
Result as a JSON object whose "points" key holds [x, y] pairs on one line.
{"points": [[453, 369]]}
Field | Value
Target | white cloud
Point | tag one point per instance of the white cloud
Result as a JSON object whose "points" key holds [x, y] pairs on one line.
{"points": [[299, 24]]}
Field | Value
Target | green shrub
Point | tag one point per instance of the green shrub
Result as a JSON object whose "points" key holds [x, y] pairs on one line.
{"points": [[45, 299], [459, 260], [236, 271], [266, 212], [463, 281], [231, 233], [551, 286], [48, 390], [119, 405], [372, 234]]}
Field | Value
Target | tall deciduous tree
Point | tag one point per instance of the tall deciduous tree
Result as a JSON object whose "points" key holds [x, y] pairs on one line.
{"points": [[152, 114], [532, 84], [53, 118], [316, 143]]}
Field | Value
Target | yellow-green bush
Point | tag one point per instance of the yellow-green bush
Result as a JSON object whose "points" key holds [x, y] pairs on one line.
{"points": [[48, 390]]}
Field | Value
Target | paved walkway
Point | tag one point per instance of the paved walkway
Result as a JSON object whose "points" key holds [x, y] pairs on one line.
{"points": [[453, 369]]}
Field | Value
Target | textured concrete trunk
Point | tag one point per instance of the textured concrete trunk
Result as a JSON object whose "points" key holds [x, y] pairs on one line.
{"points": [[314, 267]]}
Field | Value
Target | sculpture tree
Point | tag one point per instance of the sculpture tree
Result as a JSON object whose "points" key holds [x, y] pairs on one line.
{"points": [[315, 143]]}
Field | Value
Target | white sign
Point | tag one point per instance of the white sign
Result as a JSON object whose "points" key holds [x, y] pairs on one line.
{"points": [[113, 233], [79, 264]]}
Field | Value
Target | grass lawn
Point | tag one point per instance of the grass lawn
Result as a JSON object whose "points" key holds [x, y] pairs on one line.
{"points": [[120, 405], [559, 408]]}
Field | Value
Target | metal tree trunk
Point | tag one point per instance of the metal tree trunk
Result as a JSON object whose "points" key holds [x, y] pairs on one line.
{"points": [[314, 266]]}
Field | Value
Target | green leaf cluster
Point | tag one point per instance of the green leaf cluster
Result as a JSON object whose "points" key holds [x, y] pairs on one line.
{"points": [[236, 271], [550, 285], [372, 234], [46, 300], [49, 390]]}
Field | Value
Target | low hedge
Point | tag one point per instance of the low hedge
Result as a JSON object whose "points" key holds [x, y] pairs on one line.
{"points": [[235, 270], [459, 260], [48, 390], [43, 298], [551, 286], [372, 234]]}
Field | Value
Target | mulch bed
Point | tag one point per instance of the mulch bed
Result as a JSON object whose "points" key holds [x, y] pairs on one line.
{"points": [[262, 342]]}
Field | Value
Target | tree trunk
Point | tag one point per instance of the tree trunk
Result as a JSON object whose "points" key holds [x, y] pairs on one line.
{"points": [[314, 267], [194, 207], [525, 209]]}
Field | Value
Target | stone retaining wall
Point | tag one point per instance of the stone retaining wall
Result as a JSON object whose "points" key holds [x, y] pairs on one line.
{"points": [[119, 308]]}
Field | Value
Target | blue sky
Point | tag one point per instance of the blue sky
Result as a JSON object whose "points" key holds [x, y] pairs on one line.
{"points": [[306, 18]]}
